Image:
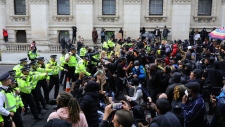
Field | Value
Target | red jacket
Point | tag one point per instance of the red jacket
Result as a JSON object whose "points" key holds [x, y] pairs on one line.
{"points": [[5, 33], [175, 49]]}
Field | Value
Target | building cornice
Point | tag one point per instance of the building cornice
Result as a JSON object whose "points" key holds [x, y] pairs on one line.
{"points": [[132, 1], [2, 1], [181, 1], [84, 1], [39, 1], [223, 1]]}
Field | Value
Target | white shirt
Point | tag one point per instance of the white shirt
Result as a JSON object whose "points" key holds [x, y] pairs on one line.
{"points": [[3, 111], [77, 56]]}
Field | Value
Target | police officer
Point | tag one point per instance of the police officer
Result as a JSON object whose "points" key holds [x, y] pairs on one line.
{"points": [[43, 83], [64, 64], [83, 51], [82, 67], [54, 74], [19, 66], [111, 44], [32, 54], [7, 101], [17, 119], [72, 60], [26, 83], [36, 91]]}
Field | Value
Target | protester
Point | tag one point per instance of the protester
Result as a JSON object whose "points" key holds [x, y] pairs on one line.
{"points": [[5, 35], [69, 110]]}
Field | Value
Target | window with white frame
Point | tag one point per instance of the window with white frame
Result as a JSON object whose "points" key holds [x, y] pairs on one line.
{"points": [[108, 7], [155, 7], [20, 7], [63, 7], [204, 7]]}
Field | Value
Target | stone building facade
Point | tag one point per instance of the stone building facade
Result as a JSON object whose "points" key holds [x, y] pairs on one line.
{"points": [[46, 21]]}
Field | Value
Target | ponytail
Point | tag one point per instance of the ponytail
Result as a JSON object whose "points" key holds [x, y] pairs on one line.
{"points": [[74, 110]]}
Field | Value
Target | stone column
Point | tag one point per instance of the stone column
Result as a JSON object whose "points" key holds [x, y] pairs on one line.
{"points": [[132, 18], [84, 20], [39, 20], [2, 18], [223, 14], [181, 18]]}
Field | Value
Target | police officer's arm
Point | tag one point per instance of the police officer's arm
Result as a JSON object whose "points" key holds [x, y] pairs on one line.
{"points": [[92, 54], [3, 111]]}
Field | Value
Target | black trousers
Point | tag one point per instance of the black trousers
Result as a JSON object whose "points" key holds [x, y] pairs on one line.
{"points": [[17, 118], [54, 81], [120, 86], [28, 99], [7, 121], [43, 83], [6, 38], [36, 99], [71, 74], [102, 39]]}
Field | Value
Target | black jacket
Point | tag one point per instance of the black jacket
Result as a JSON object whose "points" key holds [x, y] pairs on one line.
{"points": [[89, 104], [166, 120]]}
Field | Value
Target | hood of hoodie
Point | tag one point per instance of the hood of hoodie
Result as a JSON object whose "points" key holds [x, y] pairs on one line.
{"points": [[63, 113], [176, 77], [216, 65], [92, 86]]}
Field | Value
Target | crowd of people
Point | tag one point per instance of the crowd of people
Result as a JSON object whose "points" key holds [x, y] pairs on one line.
{"points": [[147, 82]]}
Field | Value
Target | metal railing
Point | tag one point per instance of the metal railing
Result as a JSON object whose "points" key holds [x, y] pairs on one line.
{"points": [[20, 47], [55, 48], [17, 47]]}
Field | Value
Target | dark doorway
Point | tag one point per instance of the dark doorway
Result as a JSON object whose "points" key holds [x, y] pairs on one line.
{"points": [[64, 33], [21, 36]]}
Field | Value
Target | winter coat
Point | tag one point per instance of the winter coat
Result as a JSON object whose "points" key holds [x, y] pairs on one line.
{"points": [[89, 104], [63, 113]]}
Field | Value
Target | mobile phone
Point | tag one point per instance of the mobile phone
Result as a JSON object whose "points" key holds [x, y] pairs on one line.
{"points": [[116, 106], [186, 92]]}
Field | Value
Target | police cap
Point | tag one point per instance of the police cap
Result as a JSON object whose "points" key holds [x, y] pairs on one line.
{"points": [[23, 60], [12, 72], [5, 76], [53, 56], [40, 58]]}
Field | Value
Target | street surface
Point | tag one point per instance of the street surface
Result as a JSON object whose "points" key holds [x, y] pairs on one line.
{"points": [[28, 120]]}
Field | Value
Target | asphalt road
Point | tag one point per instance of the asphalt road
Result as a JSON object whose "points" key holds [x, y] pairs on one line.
{"points": [[28, 119]]}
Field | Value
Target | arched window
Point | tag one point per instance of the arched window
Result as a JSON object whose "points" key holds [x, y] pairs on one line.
{"points": [[20, 7], [155, 7], [204, 7], [108, 7], [63, 7]]}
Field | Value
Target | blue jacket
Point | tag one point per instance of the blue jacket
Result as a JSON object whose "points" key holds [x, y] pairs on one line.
{"points": [[140, 72], [193, 112]]}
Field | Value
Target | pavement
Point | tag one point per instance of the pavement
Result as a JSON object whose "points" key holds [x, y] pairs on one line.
{"points": [[28, 120]]}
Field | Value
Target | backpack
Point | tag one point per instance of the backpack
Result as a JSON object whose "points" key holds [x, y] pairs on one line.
{"points": [[145, 94]]}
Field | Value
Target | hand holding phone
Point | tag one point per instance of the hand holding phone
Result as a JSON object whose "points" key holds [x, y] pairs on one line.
{"points": [[116, 106]]}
